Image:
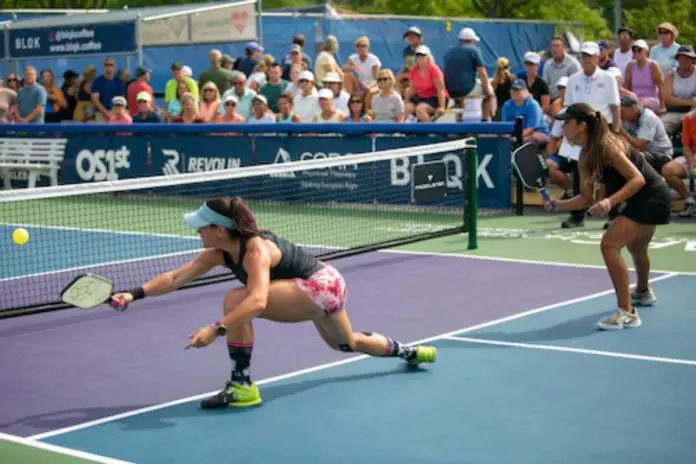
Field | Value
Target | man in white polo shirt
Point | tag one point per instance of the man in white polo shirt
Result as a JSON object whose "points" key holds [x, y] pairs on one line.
{"points": [[598, 89]]}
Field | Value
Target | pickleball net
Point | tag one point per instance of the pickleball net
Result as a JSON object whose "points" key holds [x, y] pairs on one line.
{"points": [[131, 230]]}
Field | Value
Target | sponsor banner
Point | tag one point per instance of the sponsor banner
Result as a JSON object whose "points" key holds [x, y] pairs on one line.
{"points": [[74, 40], [94, 159], [428, 181], [175, 155], [166, 31]]}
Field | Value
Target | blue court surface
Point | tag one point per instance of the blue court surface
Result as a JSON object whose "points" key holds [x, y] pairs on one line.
{"points": [[541, 386]]}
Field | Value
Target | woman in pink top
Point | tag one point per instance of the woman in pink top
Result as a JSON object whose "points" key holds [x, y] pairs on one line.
{"points": [[426, 95], [118, 114], [210, 102], [643, 77]]}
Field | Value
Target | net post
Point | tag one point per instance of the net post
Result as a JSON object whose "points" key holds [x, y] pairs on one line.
{"points": [[519, 188], [471, 211]]}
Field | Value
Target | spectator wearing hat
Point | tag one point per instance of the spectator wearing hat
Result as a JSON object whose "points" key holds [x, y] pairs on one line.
{"points": [[252, 56], [536, 85], [333, 82], [559, 65], [171, 89], [522, 103], [230, 114], [327, 112], [645, 132], [680, 168], [105, 88], [118, 113], [624, 53], [644, 77], [557, 104], [679, 89], [141, 84], [298, 40], [463, 63], [275, 86], [426, 96], [306, 102], [326, 60], [362, 68], [243, 93], [259, 111], [217, 74], [294, 58], [387, 105], [146, 113], [414, 38], [665, 52], [605, 60]]}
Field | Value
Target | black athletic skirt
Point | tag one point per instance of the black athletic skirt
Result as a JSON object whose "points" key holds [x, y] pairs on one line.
{"points": [[652, 205]]}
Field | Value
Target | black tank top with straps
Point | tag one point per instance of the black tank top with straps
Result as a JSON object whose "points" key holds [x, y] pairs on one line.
{"points": [[613, 180], [294, 261]]}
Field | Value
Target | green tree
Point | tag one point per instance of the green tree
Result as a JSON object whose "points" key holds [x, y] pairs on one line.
{"points": [[681, 13], [594, 24]]}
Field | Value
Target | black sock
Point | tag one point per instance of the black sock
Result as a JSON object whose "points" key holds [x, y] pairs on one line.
{"points": [[395, 348], [240, 354]]}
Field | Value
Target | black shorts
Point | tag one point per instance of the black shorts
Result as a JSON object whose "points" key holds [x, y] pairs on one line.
{"points": [[652, 205], [432, 101], [657, 160]]}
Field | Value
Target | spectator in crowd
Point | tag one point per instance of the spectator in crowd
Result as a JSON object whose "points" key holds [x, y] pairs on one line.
{"points": [[679, 169], [387, 105], [85, 110], [189, 111], [259, 111], [306, 102], [55, 100], [502, 83], [644, 131], [428, 96], [361, 69], [171, 89], [664, 52], [12, 82], [227, 62], [8, 102], [295, 57], [146, 113], [286, 113], [679, 90], [243, 93], [463, 62], [259, 76], [275, 86], [557, 104], [230, 116], [522, 103], [334, 82], [31, 99], [624, 53], [252, 52], [70, 89], [600, 90], [294, 87], [357, 110], [643, 77], [104, 89], [605, 60], [220, 76], [327, 111], [306, 59], [141, 84], [118, 113], [559, 65], [538, 88], [326, 60], [174, 108], [414, 38], [210, 102]]}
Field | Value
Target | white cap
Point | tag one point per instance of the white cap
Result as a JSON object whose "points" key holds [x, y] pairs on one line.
{"points": [[261, 98], [143, 96], [640, 43], [326, 93], [332, 78], [562, 82], [423, 50], [118, 101], [590, 48], [187, 71], [307, 75], [468, 34], [532, 57], [231, 97]]}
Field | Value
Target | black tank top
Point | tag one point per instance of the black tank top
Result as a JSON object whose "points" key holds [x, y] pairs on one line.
{"points": [[294, 261], [613, 180]]}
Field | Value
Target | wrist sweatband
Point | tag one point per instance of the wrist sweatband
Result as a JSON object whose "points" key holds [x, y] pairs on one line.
{"points": [[608, 203], [138, 293]]}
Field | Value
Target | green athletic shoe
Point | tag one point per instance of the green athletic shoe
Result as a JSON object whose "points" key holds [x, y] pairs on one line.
{"points": [[424, 354], [234, 395]]}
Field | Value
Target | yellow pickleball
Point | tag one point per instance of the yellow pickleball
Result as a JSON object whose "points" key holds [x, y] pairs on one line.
{"points": [[20, 236]]}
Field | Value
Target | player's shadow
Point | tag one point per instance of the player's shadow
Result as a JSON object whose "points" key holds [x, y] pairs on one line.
{"points": [[168, 417]]}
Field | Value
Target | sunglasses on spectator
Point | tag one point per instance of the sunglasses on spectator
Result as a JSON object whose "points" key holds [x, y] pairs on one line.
{"points": [[382, 79], [361, 45], [355, 101], [109, 65], [230, 104], [664, 31], [302, 81]]}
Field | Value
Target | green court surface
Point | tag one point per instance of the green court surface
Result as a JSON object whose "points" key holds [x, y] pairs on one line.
{"points": [[16, 450]]}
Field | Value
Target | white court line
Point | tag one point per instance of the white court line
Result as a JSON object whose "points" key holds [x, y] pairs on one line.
{"points": [[322, 367], [101, 231], [567, 349], [60, 450]]}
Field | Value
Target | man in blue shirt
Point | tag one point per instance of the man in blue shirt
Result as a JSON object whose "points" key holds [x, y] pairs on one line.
{"points": [[521, 103], [462, 64], [105, 88]]}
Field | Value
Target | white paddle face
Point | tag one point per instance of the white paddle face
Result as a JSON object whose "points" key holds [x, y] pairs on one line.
{"points": [[87, 291]]}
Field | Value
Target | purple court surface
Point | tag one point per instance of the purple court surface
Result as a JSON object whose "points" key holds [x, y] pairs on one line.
{"points": [[68, 367]]}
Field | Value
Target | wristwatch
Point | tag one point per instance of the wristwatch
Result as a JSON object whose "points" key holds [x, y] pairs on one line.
{"points": [[220, 330]]}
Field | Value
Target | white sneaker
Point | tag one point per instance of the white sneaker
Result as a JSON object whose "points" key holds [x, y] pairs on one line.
{"points": [[689, 210], [646, 298], [620, 320]]}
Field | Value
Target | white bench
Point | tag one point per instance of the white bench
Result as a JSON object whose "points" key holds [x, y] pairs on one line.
{"points": [[36, 156]]}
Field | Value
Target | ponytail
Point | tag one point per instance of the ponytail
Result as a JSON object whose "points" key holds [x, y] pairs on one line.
{"points": [[236, 209]]}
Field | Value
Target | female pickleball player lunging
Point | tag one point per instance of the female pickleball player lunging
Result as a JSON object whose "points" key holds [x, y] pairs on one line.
{"points": [[282, 283], [608, 159]]}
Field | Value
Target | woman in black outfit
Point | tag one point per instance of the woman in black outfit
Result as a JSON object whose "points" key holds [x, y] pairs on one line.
{"points": [[607, 159]]}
